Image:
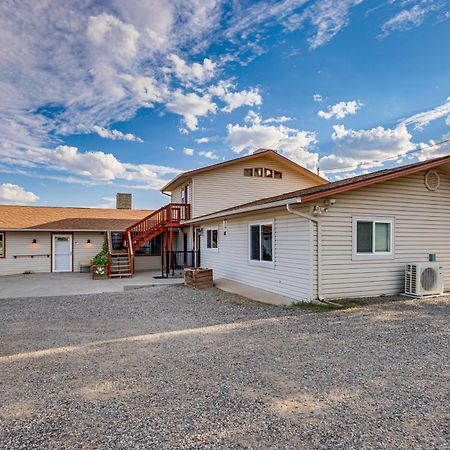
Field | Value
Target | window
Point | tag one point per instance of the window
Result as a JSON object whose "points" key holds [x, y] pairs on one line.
{"points": [[2, 245], [268, 173], [258, 172], [150, 248], [261, 242], [248, 172], [211, 239], [373, 236], [277, 174]]}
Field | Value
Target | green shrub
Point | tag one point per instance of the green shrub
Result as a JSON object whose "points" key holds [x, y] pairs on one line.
{"points": [[101, 259]]}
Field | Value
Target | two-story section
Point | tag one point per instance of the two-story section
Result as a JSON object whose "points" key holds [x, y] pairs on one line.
{"points": [[264, 173]]}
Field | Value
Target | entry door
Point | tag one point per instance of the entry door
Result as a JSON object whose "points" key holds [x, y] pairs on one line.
{"points": [[62, 253]]}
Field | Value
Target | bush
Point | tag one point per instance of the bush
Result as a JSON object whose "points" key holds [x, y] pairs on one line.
{"points": [[101, 259]]}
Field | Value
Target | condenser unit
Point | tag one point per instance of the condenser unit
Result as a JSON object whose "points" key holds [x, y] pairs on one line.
{"points": [[423, 279]]}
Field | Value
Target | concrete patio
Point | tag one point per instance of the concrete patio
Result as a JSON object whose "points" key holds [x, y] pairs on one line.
{"points": [[55, 284]]}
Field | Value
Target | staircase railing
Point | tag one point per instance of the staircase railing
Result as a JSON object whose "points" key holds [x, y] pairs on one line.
{"points": [[130, 253], [169, 215]]}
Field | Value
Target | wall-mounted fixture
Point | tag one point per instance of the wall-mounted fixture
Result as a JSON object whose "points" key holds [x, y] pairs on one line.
{"points": [[34, 241], [225, 223], [88, 241]]}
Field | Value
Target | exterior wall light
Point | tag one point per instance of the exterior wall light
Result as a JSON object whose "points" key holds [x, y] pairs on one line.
{"points": [[34, 241]]}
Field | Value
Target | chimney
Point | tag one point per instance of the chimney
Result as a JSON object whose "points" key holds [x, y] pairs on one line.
{"points": [[123, 201]]}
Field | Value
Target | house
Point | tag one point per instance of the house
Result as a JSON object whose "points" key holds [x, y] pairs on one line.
{"points": [[267, 222], [349, 238], [52, 239]]}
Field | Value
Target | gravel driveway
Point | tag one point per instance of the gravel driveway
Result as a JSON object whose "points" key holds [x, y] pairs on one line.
{"points": [[169, 367]]}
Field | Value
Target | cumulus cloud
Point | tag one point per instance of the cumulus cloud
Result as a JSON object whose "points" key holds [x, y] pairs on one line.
{"points": [[434, 150], [233, 99], [254, 117], [422, 119], [191, 106], [209, 155], [353, 147], [318, 98], [341, 109], [14, 194], [202, 140], [295, 144], [195, 72], [188, 151], [93, 167], [115, 134]]}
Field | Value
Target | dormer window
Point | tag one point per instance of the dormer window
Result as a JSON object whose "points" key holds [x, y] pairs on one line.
{"points": [[248, 172]]}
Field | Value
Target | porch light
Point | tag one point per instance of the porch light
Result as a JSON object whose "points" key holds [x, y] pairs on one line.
{"points": [[34, 241], [88, 241]]}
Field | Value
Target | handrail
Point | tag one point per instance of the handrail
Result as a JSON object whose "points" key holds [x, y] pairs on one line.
{"points": [[130, 253], [171, 214], [109, 245]]}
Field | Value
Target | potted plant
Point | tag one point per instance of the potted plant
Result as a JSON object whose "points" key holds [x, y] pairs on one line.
{"points": [[100, 264]]}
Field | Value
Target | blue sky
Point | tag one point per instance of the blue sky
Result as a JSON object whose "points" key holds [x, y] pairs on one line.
{"points": [[102, 97]]}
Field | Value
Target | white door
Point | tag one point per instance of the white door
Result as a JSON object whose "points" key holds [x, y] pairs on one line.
{"points": [[62, 253]]}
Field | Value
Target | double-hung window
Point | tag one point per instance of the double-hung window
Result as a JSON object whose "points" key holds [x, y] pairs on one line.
{"points": [[261, 243], [211, 239], [2, 245], [372, 236]]}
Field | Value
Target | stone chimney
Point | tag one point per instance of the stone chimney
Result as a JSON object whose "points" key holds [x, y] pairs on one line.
{"points": [[123, 201]]}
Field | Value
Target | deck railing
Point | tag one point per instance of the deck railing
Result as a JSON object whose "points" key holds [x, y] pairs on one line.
{"points": [[169, 215]]}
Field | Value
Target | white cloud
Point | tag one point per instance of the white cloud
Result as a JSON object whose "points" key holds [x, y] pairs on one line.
{"points": [[115, 134], [328, 17], [225, 91], [294, 144], [341, 109], [191, 106], [318, 98], [254, 117], [94, 167], [353, 147], [422, 119], [16, 195], [170, 148], [432, 150], [188, 151], [408, 18], [279, 119], [202, 140], [210, 155], [195, 72]]}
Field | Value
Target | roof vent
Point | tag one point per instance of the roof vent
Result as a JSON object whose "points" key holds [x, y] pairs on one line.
{"points": [[260, 150]]}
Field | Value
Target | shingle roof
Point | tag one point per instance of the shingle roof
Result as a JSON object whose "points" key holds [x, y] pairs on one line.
{"points": [[326, 190], [59, 218]]}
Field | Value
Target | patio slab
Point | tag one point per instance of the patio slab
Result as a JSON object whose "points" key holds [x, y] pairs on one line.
{"points": [[55, 284]]}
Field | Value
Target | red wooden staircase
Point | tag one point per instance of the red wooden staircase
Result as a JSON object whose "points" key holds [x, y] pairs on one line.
{"points": [[153, 225]]}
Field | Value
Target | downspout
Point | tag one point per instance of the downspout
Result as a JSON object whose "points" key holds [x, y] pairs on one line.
{"points": [[319, 245]]}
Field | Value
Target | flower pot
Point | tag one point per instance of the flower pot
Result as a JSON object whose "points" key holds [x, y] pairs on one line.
{"points": [[99, 272]]}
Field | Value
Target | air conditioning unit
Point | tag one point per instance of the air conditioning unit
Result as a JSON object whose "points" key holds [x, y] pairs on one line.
{"points": [[423, 279]]}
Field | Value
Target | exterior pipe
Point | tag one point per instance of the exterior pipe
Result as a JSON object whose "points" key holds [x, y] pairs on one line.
{"points": [[319, 244]]}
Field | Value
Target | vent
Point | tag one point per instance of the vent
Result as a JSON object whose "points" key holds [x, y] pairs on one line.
{"points": [[432, 180], [423, 279]]}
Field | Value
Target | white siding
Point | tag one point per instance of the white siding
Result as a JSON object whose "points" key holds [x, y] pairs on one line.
{"points": [[20, 243], [226, 187], [83, 250], [422, 226], [291, 275]]}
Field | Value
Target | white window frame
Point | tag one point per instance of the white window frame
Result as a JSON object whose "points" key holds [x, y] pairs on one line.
{"points": [[211, 249], [259, 262], [373, 255]]}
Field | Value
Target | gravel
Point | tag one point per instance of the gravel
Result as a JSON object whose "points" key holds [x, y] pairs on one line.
{"points": [[171, 367]]}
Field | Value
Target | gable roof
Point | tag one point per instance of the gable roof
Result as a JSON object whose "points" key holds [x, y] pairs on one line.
{"points": [[337, 187], [179, 179], [70, 219]]}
